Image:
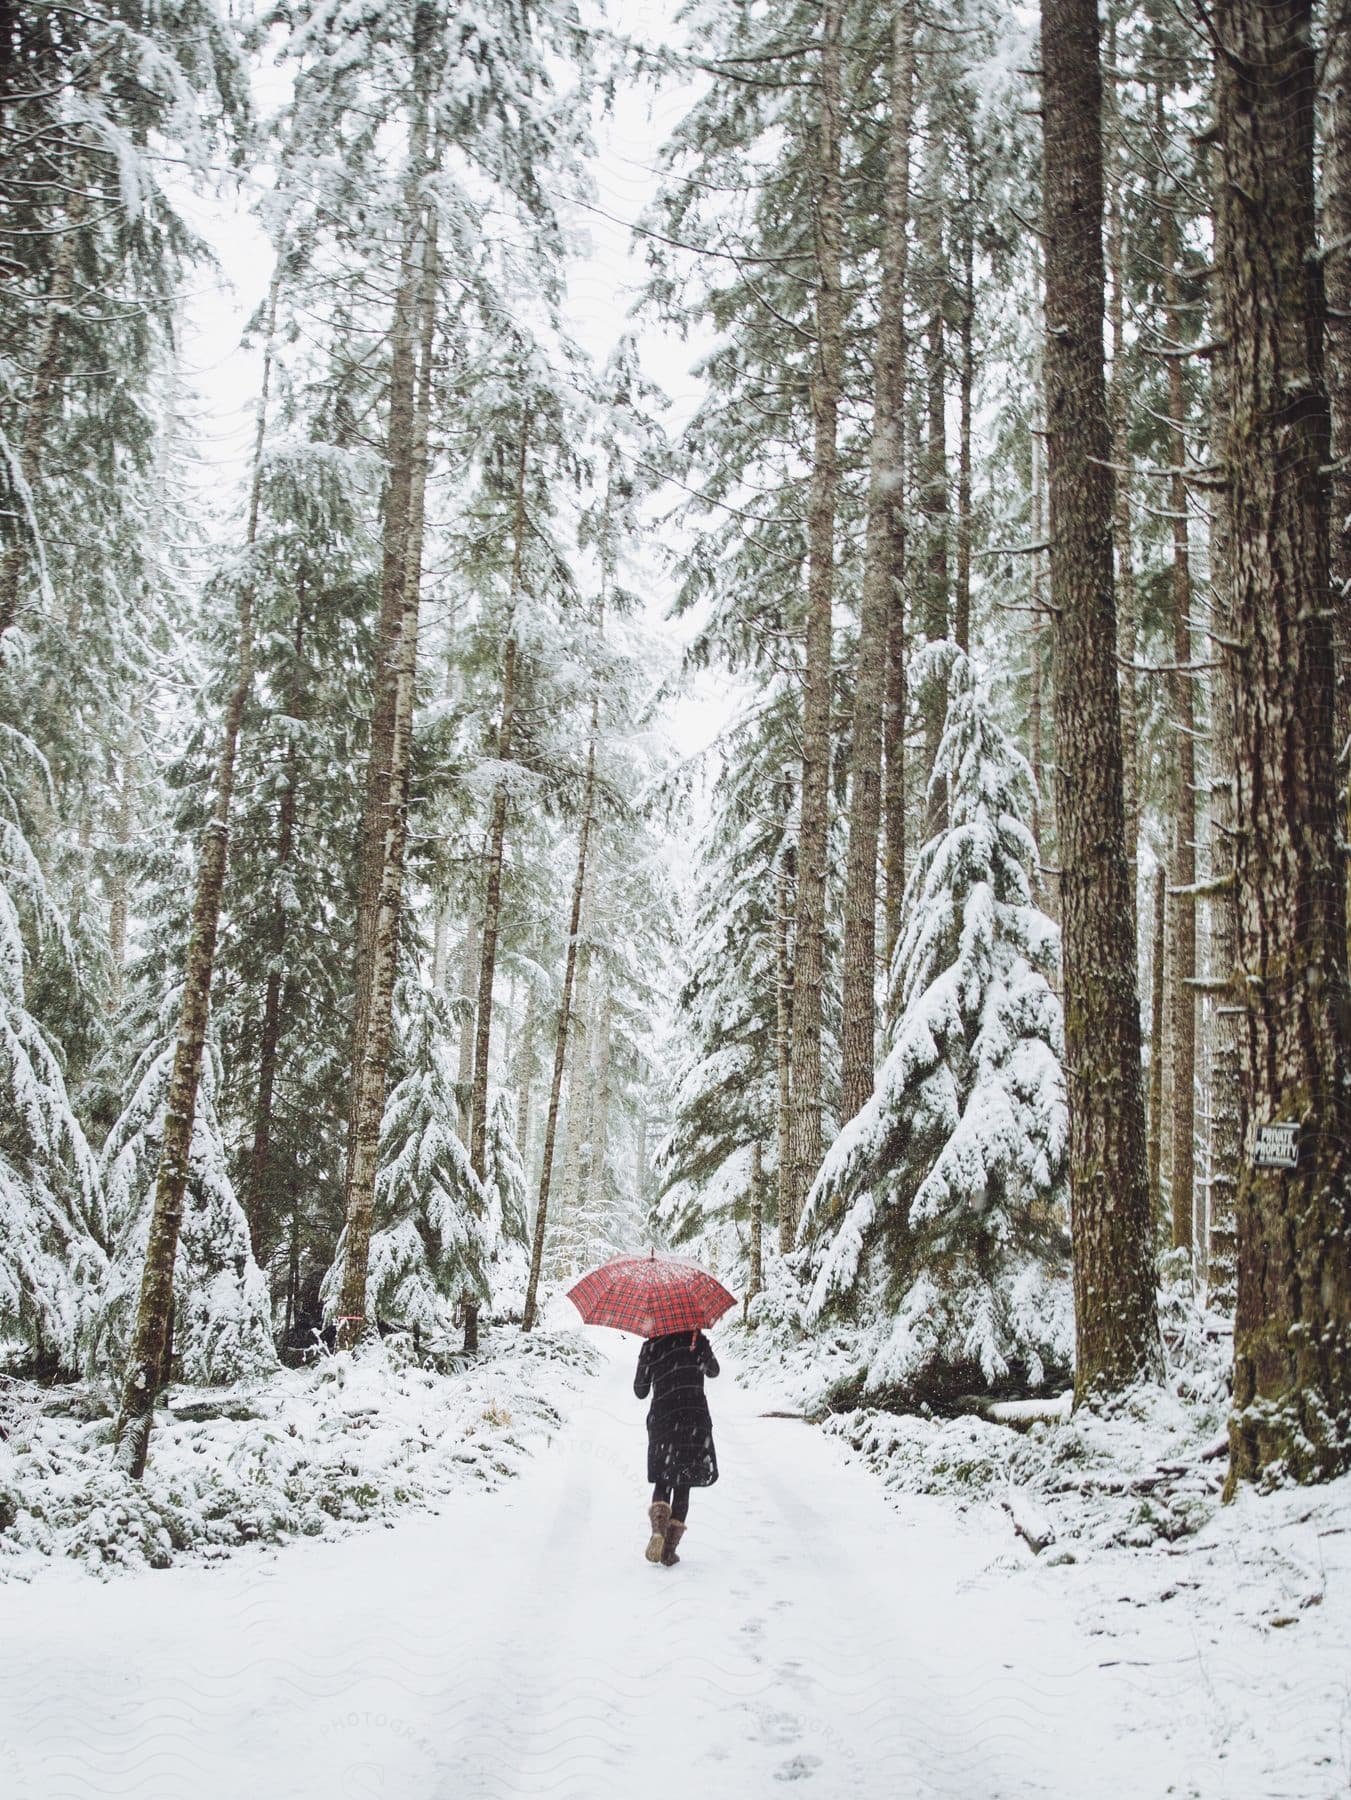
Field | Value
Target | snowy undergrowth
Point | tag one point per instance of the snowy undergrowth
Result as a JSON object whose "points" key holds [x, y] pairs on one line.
{"points": [[303, 1452], [1148, 1469]]}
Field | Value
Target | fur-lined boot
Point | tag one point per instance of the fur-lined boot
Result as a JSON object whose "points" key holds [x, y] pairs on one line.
{"points": [[674, 1532], [659, 1517]]}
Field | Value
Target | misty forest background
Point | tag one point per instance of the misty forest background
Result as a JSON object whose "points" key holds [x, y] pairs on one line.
{"points": [[375, 949]]}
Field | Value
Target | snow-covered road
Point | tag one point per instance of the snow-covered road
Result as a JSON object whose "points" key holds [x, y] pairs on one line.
{"points": [[518, 1645]]}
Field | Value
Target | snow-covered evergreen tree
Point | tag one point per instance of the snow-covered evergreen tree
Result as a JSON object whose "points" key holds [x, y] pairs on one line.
{"points": [[938, 1218], [507, 1221], [284, 965], [51, 1199], [221, 1324], [431, 1243], [724, 1081]]}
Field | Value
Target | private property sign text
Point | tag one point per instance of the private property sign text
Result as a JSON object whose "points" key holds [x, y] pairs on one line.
{"points": [[1276, 1145]]}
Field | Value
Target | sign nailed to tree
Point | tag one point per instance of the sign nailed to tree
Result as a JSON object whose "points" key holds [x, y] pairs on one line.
{"points": [[1276, 1145]]}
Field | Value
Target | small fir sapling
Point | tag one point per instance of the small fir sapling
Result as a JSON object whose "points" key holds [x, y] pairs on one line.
{"points": [[222, 1317], [430, 1243], [506, 1222]]}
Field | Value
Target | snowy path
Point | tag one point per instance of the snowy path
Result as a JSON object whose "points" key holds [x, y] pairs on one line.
{"points": [[518, 1645]]}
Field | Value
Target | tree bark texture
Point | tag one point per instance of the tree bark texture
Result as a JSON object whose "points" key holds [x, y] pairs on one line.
{"points": [[385, 819], [934, 500], [1337, 276], [810, 931], [884, 556], [1127, 599], [1157, 952], [1116, 1326], [1291, 1412], [966, 375], [1227, 1122], [1036, 729], [1186, 1235]]}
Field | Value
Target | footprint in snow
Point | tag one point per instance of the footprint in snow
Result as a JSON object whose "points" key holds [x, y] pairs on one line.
{"points": [[777, 1728], [797, 1768]]}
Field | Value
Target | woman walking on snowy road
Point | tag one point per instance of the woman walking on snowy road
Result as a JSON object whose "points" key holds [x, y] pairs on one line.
{"points": [[680, 1453]]}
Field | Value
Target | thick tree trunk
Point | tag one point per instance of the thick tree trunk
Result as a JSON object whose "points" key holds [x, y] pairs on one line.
{"points": [[492, 906], [1337, 276], [1036, 633], [934, 500], [147, 1360], [564, 1023], [810, 930], [385, 820], [961, 585], [785, 881], [1116, 1326], [1183, 871], [1157, 952], [1043, 677], [883, 557], [1292, 1329], [1227, 1121], [1127, 599], [258, 1197]]}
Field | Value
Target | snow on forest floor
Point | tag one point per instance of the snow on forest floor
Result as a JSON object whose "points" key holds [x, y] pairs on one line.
{"points": [[301, 1452], [822, 1629]]}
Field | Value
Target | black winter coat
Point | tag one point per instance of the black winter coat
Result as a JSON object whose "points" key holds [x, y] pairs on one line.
{"points": [[680, 1449]]}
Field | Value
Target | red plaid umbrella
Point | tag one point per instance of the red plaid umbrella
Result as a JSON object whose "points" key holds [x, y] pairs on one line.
{"points": [[650, 1296]]}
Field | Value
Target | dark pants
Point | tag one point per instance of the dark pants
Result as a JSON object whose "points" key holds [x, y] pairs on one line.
{"points": [[679, 1498]]}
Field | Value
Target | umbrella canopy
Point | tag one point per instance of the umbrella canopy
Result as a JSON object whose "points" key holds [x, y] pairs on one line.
{"points": [[650, 1295]]}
